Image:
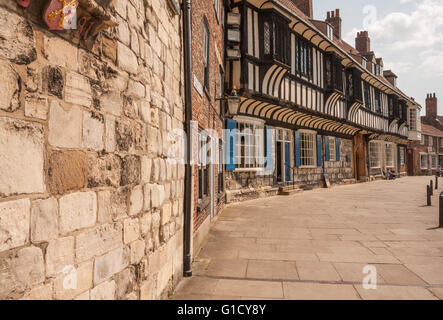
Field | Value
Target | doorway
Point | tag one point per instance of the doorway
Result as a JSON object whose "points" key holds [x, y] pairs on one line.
{"points": [[359, 151], [410, 162], [279, 162]]}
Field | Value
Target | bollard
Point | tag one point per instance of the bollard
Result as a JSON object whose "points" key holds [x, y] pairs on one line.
{"points": [[428, 196], [436, 182], [431, 186], [441, 211]]}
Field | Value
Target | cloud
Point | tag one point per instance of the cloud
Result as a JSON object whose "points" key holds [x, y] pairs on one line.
{"points": [[422, 28], [408, 40]]}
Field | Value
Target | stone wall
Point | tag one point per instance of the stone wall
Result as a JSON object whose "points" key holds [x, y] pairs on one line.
{"points": [[86, 190], [243, 185]]}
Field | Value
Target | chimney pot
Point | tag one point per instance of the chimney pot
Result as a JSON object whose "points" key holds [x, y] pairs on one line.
{"points": [[337, 12]]}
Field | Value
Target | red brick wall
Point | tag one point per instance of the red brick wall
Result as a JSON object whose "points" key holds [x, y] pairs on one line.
{"points": [[206, 110]]}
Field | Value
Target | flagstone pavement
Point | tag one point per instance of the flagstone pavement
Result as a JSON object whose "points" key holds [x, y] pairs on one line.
{"points": [[315, 245]]}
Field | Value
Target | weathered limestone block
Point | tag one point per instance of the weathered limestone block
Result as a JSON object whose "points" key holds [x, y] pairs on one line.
{"points": [[145, 111], [36, 107], [109, 264], [137, 251], [20, 271], [44, 217], [60, 52], [43, 292], [153, 143], [162, 173], [9, 87], [59, 255], [124, 281], [104, 171], [104, 213], [112, 102], [126, 59], [104, 291], [14, 223], [119, 203], [78, 90], [65, 126], [139, 132], [131, 168], [155, 170], [21, 164], [166, 212], [145, 224], [110, 141], [120, 7], [93, 130], [136, 89], [124, 136], [77, 211], [123, 33], [66, 171], [109, 48], [134, 42], [98, 241], [147, 189], [164, 233], [73, 281], [146, 165], [83, 296], [53, 81], [130, 107], [131, 229], [135, 16], [16, 38], [147, 290], [136, 201], [33, 79]]}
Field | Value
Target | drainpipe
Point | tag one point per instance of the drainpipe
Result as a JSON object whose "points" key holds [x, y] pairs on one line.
{"points": [[187, 232]]}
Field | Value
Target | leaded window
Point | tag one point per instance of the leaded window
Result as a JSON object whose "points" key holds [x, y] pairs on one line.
{"points": [[402, 155], [374, 154], [332, 149], [250, 146], [267, 38], [423, 161], [413, 119], [307, 149], [304, 58], [389, 155]]}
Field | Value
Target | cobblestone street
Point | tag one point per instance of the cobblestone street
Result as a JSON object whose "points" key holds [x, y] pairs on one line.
{"points": [[314, 245]]}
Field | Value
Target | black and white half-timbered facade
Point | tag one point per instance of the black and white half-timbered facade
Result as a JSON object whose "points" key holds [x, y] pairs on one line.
{"points": [[312, 107]]}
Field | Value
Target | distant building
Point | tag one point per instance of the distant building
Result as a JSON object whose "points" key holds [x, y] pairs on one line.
{"points": [[425, 155]]}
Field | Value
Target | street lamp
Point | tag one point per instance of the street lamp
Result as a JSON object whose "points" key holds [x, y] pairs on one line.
{"points": [[233, 101]]}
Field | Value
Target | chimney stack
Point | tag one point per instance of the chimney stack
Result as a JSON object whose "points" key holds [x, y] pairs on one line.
{"points": [[391, 77], [431, 106], [334, 19], [363, 42], [305, 6]]}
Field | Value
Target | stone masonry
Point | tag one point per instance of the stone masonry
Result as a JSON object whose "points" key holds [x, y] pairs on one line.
{"points": [[90, 206]]}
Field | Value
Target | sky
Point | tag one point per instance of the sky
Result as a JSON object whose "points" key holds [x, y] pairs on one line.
{"points": [[407, 34]]}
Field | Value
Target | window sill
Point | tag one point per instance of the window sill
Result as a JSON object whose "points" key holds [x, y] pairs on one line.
{"points": [[203, 203], [308, 167], [249, 169]]}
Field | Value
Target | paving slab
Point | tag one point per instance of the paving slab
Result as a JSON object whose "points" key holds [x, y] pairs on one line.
{"points": [[316, 245]]}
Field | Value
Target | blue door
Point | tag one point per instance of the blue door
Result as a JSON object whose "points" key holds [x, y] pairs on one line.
{"points": [[287, 167]]}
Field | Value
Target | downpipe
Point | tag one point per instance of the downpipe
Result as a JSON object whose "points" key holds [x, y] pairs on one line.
{"points": [[187, 232]]}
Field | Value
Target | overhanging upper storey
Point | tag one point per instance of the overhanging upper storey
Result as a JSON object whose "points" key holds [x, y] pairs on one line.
{"points": [[289, 63]]}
